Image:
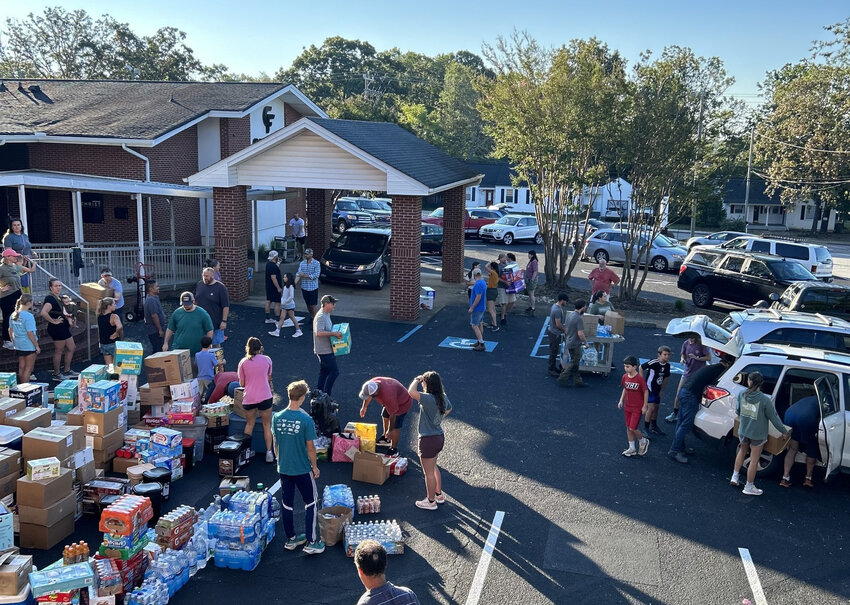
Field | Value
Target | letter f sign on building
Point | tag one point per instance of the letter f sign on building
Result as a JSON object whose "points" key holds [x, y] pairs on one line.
{"points": [[268, 117]]}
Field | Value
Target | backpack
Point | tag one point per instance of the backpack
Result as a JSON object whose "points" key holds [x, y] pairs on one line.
{"points": [[324, 413]]}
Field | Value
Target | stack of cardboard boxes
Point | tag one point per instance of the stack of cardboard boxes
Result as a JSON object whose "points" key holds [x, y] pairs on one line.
{"points": [[105, 421], [164, 370]]}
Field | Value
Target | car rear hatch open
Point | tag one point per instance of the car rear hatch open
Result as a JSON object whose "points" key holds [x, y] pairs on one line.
{"points": [[712, 335]]}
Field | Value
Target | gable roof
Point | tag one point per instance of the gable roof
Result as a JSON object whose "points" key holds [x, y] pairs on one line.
{"points": [[735, 190], [400, 149], [496, 174], [136, 111]]}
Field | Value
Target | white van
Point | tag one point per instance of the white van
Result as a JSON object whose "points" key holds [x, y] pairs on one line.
{"points": [[812, 257]]}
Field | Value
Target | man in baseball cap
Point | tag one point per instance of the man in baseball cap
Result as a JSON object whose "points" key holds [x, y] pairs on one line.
{"points": [[188, 324], [327, 299], [396, 401], [274, 287]]}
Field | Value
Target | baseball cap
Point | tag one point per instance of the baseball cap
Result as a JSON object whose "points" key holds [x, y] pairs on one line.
{"points": [[327, 298], [187, 299], [368, 389], [10, 252], [476, 271], [308, 251], [272, 254]]}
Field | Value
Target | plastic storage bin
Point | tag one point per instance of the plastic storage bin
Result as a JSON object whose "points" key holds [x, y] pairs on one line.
{"points": [[12, 437], [196, 431], [237, 427], [22, 598]]}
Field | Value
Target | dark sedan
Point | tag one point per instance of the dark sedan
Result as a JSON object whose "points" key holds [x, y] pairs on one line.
{"points": [[432, 239]]}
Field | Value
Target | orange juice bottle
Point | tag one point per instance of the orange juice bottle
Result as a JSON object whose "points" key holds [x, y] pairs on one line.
{"points": [[66, 556], [86, 552]]}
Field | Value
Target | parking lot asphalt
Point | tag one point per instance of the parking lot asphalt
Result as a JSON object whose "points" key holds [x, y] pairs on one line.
{"points": [[581, 523]]}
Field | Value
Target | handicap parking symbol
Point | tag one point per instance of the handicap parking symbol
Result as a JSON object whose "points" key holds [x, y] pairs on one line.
{"points": [[452, 342]]}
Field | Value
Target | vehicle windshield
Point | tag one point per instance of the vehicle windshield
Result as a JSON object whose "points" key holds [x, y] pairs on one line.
{"points": [[372, 243], [790, 271], [662, 241], [507, 220], [346, 206], [370, 205], [737, 243], [823, 254], [438, 213], [384, 206]]}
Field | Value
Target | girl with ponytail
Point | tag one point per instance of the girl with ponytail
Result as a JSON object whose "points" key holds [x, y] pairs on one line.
{"points": [[22, 335], [434, 406], [255, 375]]}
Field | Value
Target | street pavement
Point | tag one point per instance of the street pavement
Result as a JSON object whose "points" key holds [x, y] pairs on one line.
{"points": [[581, 524]]}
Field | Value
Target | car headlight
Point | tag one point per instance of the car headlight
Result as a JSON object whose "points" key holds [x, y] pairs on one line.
{"points": [[326, 262], [678, 257], [367, 267]]}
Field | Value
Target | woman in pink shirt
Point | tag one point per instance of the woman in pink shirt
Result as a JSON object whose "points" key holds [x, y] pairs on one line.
{"points": [[255, 375]]}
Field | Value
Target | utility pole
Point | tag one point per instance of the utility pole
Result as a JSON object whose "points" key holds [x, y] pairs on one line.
{"points": [[699, 140], [747, 189]]}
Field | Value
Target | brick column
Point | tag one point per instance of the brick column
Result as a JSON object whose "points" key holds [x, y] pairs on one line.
{"points": [[319, 225], [232, 238], [454, 213], [405, 278]]}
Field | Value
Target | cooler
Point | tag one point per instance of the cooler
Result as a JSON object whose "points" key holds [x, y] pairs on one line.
{"points": [[154, 492], [237, 428], [162, 476], [213, 437], [12, 436], [232, 454], [22, 598]]}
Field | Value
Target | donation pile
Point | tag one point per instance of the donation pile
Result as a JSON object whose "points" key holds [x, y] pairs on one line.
{"points": [[242, 528]]}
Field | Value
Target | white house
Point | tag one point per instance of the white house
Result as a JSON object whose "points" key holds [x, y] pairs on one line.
{"points": [[768, 211], [496, 188]]}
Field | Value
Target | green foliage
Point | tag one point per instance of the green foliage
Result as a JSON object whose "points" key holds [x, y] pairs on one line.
{"points": [[737, 224], [679, 305]]}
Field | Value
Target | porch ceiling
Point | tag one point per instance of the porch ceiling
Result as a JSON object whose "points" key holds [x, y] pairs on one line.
{"points": [[43, 179]]}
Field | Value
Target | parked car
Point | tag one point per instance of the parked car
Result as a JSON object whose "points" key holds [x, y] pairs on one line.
{"points": [[812, 257], [813, 297], [714, 239], [347, 213], [432, 238], [743, 278], [609, 245], [512, 227], [475, 218], [359, 256], [377, 208], [790, 373]]}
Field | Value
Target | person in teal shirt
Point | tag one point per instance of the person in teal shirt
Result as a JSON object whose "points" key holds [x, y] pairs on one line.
{"points": [[293, 432], [188, 324]]}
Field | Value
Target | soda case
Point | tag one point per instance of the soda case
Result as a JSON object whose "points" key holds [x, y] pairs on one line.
{"points": [[367, 505], [388, 533], [62, 578], [126, 515], [176, 528], [338, 495], [103, 395], [89, 376]]}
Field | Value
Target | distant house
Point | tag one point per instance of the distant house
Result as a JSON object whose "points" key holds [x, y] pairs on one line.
{"points": [[612, 200], [497, 188], [768, 211]]}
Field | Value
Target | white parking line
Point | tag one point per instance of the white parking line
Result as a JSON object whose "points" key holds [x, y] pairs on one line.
{"points": [[274, 488], [539, 340], [752, 576], [484, 561]]}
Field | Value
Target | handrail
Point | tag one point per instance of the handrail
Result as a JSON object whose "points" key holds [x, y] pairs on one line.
{"points": [[80, 296]]}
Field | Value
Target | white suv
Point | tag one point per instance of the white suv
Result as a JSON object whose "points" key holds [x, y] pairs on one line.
{"points": [[812, 257], [790, 373]]}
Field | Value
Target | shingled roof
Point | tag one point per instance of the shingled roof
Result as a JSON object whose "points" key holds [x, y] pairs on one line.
{"points": [[118, 109], [400, 149], [496, 174], [734, 192]]}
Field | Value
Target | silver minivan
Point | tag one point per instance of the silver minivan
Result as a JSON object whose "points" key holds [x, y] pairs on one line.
{"points": [[609, 245]]}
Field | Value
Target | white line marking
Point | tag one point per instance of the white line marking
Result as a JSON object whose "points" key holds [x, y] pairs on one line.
{"points": [[540, 339], [274, 488], [752, 576], [484, 561], [409, 334]]}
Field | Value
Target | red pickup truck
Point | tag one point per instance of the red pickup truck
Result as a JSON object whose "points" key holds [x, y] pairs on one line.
{"points": [[474, 220]]}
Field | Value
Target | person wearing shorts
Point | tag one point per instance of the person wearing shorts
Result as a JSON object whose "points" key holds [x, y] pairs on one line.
{"points": [[803, 418], [22, 332], [477, 305], [656, 373], [255, 375], [58, 320], [308, 272], [492, 293], [633, 402], [434, 406], [296, 223], [395, 400]]}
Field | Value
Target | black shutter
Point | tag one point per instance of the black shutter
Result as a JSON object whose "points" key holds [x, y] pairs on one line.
{"points": [[503, 196]]}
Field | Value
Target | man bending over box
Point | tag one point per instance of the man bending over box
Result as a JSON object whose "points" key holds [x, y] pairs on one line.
{"points": [[396, 401]]}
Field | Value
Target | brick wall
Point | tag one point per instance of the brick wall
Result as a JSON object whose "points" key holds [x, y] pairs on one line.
{"points": [[319, 225], [235, 134], [290, 115], [232, 239], [454, 212], [405, 278]]}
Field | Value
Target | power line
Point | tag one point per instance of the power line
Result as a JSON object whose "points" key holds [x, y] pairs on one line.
{"points": [[836, 181], [801, 147]]}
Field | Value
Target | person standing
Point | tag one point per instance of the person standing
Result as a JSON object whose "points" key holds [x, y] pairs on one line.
{"points": [[492, 293], [600, 303], [308, 272], [274, 289], [509, 297], [107, 281], [17, 240], [633, 403], [395, 401], [477, 305], [294, 432], [656, 373], [501, 286], [532, 271], [694, 355], [215, 266], [690, 396], [323, 329], [803, 417], [22, 332], [187, 325], [206, 362], [10, 289], [287, 303], [556, 330], [154, 315], [434, 406], [575, 340], [109, 329], [211, 296], [469, 280], [296, 223], [59, 324], [370, 558], [755, 410], [602, 278], [255, 376]]}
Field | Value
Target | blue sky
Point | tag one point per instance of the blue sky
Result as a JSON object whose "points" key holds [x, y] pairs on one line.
{"points": [[750, 36]]}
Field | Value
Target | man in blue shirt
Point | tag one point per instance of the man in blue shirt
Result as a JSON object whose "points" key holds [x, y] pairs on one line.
{"points": [[293, 432], [477, 305], [308, 273], [107, 281], [370, 557]]}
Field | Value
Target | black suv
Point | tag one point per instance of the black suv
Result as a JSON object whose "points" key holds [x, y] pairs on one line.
{"points": [[827, 299], [737, 277]]}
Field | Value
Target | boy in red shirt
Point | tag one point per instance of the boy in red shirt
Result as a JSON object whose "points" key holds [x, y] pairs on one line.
{"points": [[633, 402]]}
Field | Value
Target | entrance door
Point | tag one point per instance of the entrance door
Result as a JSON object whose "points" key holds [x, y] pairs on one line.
{"points": [[488, 197], [755, 214], [38, 216]]}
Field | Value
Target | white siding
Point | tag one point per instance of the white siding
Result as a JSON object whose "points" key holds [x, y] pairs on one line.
{"points": [[258, 129]]}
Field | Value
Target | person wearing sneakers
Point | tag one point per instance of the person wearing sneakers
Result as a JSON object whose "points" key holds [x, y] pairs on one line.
{"points": [[555, 331], [656, 373], [755, 409], [287, 303], [492, 293], [530, 277], [574, 343], [434, 406], [59, 323], [255, 375], [273, 288], [694, 355], [294, 432], [803, 417], [477, 306], [395, 400], [10, 289], [633, 402], [323, 329]]}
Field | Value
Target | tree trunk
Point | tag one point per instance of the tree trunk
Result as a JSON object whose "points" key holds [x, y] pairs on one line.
{"points": [[816, 219]]}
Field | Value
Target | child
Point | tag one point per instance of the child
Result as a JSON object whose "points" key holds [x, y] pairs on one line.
{"points": [[206, 361], [633, 402], [287, 306], [656, 372], [110, 328], [22, 335], [754, 409]]}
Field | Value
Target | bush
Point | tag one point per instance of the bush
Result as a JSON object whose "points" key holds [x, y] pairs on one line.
{"points": [[679, 305], [737, 224]]}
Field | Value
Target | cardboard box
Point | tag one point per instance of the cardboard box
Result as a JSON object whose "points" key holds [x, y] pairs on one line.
{"points": [[9, 406], [43, 493], [617, 322], [129, 357], [9, 484], [238, 395], [57, 441], [427, 298], [92, 374], [341, 346], [104, 396], [75, 417], [7, 381], [149, 395], [120, 465], [185, 390], [369, 468], [31, 418], [10, 461], [776, 443], [45, 537], [32, 393], [43, 468], [65, 395], [86, 472], [590, 322], [14, 573], [170, 367], [240, 481], [51, 514], [92, 293], [100, 424], [111, 442], [7, 528]]}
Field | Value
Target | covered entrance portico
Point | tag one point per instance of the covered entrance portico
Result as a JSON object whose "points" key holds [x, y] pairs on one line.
{"points": [[322, 155]]}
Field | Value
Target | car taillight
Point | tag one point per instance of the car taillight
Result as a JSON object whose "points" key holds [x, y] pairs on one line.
{"points": [[682, 268], [712, 394]]}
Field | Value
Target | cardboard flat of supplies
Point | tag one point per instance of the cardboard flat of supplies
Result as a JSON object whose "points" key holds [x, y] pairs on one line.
{"points": [[776, 444], [43, 493], [14, 572], [30, 418], [167, 368]]}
